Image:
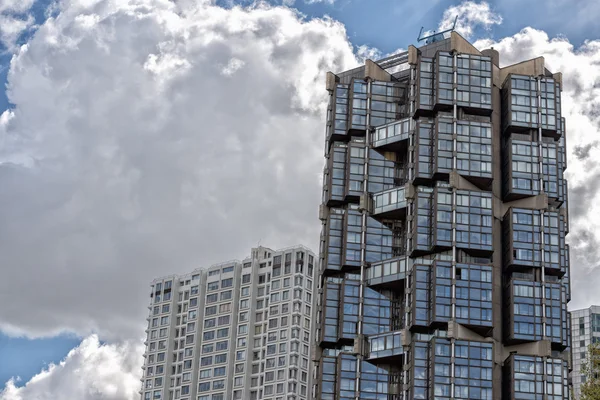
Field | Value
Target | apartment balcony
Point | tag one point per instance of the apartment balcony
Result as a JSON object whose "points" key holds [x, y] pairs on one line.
{"points": [[387, 272], [390, 203], [386, 347], [392, 136]]}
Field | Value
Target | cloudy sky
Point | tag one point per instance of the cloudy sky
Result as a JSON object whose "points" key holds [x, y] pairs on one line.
{"points": [[140, 138]]}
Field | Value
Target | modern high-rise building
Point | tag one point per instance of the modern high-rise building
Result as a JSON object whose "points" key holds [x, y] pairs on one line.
{"points": [[236, 330], [585, 325], [444, 270]]}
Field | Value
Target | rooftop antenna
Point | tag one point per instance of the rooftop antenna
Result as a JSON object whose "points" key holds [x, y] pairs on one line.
{"points": [[433, 36]]}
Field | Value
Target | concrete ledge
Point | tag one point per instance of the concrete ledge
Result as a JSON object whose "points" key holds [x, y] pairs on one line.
{"points": [[413, 55], [375, 72], [533, 67], [330, 80], [461, 45]]}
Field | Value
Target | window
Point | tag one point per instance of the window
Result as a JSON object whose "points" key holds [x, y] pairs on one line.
{"points": [[211, 298], [221, 333], [226, 295], [212, 310], [223, 345], [227, 283], [212, 286], [220, 358], [205, 373]]}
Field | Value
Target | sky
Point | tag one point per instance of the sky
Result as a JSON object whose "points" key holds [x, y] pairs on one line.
{"points": [[141, 138]]}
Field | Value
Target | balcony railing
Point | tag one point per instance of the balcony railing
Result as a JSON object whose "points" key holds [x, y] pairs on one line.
{"points": [[391, 134], [385, 345], [387, 271], [389, 201]]}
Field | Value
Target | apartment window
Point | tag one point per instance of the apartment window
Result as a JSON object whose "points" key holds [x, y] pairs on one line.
{"points": [[209, 323], [205, 373], [223, 332], [211, 298], [212, 286], [227, 283], [226, 295], [240, 355], [227, 269], [220, 358], [220, 371], [225, 307], [243, 316], [241, 342], [246, 278], [243, 329], [224, 320], [243, 304], [223, 345], [286, 282], [245, 291], [204, 387]]}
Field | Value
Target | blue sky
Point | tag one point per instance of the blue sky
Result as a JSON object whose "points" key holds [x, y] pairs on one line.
{"points": [[25, 358], [383, 24]]}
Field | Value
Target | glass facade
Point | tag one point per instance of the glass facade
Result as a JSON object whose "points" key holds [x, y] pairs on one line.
{"points": [[444, 264]]}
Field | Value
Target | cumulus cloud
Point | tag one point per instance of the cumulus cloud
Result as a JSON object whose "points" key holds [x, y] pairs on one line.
{"points": [[471, 15], [581, 102], [150, 137], [90, 371], [14, 20]]}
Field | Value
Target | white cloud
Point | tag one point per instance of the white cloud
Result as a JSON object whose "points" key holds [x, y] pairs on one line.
{"points": [[14, 20], [129, 155], [580, 105], [470, 16], [90, 371]]}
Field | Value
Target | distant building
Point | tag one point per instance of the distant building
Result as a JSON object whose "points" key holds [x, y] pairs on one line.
{"points": [[239, 330], [585, 329]]}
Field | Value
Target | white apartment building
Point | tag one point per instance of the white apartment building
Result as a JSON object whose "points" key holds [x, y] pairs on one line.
{"points": [[585, 330], [236, 330]]}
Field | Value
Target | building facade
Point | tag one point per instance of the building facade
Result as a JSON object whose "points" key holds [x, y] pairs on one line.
{"points": [[236, 330], [585, 329], [444, 272]]}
